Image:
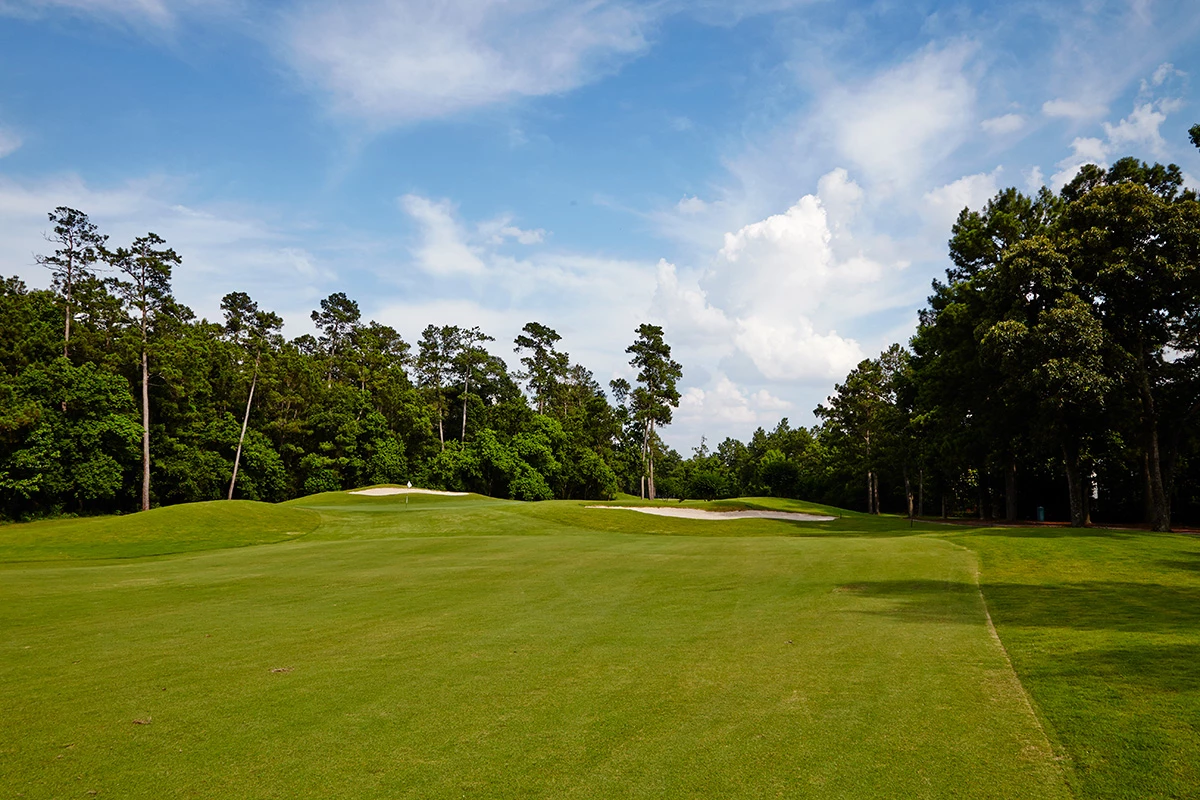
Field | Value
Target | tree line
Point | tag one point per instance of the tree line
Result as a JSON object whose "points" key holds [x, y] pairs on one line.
{"points": [[115, 397], [1054, 373]]}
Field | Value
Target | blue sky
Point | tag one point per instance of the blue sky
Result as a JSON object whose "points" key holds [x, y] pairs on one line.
{"points": [[772, 181]]}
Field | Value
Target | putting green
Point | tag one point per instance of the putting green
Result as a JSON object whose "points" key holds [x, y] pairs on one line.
{"points": [[396, 651]]}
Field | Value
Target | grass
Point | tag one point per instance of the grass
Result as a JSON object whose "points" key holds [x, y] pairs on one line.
{"points": [[465, 646]]}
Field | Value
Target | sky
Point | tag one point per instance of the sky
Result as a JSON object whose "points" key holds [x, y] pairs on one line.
{"points": [[772, 181]]}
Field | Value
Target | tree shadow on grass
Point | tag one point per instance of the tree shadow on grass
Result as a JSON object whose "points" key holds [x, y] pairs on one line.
{"points": [[1092, 605], [1055, 532], [1149, 667]]}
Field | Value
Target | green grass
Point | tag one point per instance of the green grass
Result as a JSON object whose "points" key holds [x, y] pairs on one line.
{"points": [[465, 646], [160, 531]]}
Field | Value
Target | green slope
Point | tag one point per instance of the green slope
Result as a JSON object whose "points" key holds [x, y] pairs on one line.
{"points": [[160, 531]]}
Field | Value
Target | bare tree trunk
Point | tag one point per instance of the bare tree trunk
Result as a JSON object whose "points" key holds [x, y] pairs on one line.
{"points": [[466, 389], [870, 509], [1010, 490], [921, 492], [237, 457], [1160, 511], [650, 448], [875, 489], [1085, 497], [1074, 486], [145, 427], [908, 495], [1147, 492], [67, 326]]}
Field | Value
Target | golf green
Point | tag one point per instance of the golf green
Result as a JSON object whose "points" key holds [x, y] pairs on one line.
{"points": [[346, 646]]}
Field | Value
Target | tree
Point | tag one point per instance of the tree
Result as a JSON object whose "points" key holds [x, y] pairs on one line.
{"points": [[1194, 135], [1132, 240], [146, 292], [863, 409], [337, 320], [250, 329], [469, 354], [656, 393], [438, 348], [80, 246], [544, 366]]}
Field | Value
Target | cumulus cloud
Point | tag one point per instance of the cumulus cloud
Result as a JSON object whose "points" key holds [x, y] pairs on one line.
{"points": [[396, 62], [724, 404], [779, 289]]}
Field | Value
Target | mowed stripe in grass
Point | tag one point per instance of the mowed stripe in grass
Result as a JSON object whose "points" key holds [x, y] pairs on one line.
{"points": [[1104, 630], [576, 663]]}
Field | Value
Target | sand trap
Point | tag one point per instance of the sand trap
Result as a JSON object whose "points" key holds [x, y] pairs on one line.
{"points": [[382, 491], [699, 513]]}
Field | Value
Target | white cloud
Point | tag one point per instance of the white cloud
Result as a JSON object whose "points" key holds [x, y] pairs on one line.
{"points": [[146, 14], [897, 123], [396, 62], [1003, 124], [501, 229], [691, 205], [1073, 109], [1141, 127], [10, 142], [443, 249], [943, 204], [776, 294], [222, 251], [725, 405]]}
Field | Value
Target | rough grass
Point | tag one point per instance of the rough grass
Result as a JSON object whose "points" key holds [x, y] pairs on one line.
{"points": [[464, 646]]}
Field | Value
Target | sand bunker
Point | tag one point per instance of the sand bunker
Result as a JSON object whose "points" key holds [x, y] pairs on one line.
{"points": [[699, 513], [382, 491]]}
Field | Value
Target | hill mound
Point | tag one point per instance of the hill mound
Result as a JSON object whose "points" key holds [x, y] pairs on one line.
{"points": [[159, 531]]}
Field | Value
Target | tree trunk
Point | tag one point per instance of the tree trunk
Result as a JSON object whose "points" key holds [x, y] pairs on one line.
{"points": [[145, 427], [466, 389], [921, 492], [237, 457], [1160, 519], [1085, 498], [870, 494], [875, 489], [1147, 492], [944, 515], [1010, 490], [650, 451], [67, 325], [908, 495], [1074, 486]]}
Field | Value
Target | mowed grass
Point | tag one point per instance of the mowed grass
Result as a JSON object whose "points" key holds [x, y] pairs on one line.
{"points": [[1104, 630], [465, 646], [160, 531]]}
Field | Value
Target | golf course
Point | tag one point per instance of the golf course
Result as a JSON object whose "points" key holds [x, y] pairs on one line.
{"points": [[421, 645]]}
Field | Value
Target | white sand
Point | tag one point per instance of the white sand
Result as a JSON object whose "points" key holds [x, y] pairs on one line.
{"points": [[382, 491], [699, 513]]}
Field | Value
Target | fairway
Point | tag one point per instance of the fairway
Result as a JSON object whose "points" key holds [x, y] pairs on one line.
{"points": [[463, 646]]}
